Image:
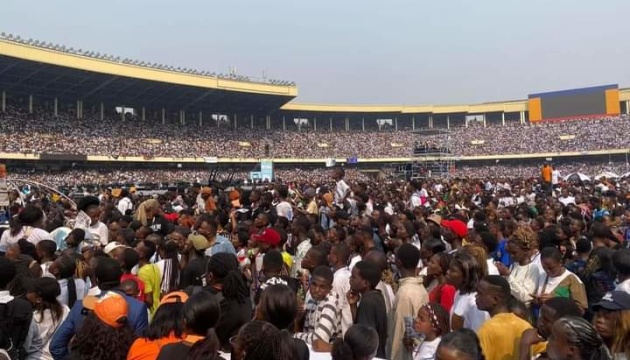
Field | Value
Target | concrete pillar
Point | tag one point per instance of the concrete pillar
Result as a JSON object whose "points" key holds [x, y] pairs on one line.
{"points": [[268, 122], [56, 107], [330, 123], [413, 122], [362, 124], [448, 121], [251, 122], [628, 107], [144, 117], [347, 124], [484, 120], [163, 116], [201, 118], [183, 117], [503, 118], [431, 121], [284, 124], [314, 124], [102, 110], [522, 114], [122, 113], [30, 104], [396, 123], [4, 101]]}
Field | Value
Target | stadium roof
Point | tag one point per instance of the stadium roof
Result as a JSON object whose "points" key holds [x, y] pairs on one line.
{"points": [[45, 73]]}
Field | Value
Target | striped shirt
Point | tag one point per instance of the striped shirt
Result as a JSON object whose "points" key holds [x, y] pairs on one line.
{"points": [[323, 319]]}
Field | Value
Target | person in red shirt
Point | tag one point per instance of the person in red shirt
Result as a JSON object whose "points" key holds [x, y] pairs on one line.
{"points": [[128, 260], [443, 293]]}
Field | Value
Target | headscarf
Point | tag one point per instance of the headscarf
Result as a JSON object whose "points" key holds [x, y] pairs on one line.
{"points": [[141, 212]]}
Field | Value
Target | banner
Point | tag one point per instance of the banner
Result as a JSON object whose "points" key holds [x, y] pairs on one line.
{"points": [[4, 190], [211, 159], [266, 170]]}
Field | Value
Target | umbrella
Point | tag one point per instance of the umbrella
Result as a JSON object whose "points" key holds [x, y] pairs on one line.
{"points": [[577, 177], [607, 175]]}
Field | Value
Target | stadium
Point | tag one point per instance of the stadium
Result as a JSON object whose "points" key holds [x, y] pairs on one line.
{"points": [[65, 110]]}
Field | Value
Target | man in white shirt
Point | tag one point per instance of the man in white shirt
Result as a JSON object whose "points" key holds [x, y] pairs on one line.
{"points": [[338, 260], [284, 208], [342, 190], [124, 203], [555, 178], [97, 228], [566, 198]]}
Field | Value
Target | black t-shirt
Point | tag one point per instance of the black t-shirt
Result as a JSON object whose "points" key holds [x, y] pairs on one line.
{"points": [[160, 225], [233, 316], [178, 350], [192, 274], [372, 312]]}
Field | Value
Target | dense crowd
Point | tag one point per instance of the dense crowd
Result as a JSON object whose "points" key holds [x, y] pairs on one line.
{"points": [[41, 132], [322, 269]]}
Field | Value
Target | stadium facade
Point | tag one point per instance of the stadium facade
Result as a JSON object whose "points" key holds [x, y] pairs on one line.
{"points": [[40, 74]]}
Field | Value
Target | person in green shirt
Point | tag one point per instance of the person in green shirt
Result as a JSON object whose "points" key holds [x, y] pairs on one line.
{"points": [[149, 274]]}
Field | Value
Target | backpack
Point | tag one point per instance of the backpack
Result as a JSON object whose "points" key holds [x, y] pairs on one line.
{"points": [[15, 320]]}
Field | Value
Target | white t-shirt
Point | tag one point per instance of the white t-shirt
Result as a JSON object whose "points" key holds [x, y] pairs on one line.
{"points": [[555, 175], [99, 229], [46, 327], [567, 200], [341, 192], [284, 209], [124, 204], [35, 235], [426, 350], [341, 285], [465, 306], [82, 290]]}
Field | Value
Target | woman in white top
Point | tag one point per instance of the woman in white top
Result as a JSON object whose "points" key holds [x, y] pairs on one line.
{"points": [[48, 313], [523, 274], [464, 274], [26, 225]]}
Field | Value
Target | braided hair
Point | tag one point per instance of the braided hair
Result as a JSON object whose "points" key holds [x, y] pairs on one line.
{"points": [[440, 318], [581, 334], [262, 341], [225, 270]]}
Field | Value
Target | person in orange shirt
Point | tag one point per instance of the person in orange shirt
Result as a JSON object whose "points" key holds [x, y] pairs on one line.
{"points": [[546, 177], [165, 328]]}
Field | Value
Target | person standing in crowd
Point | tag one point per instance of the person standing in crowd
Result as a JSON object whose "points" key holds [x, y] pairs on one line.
{"points": [[27, 225], [464, 274], [18, 327], [169, 266], [359, 342], [342, 190], [523, 274], [149, 274], [207, 227], [195, 261], [200, 314], [284, 208], [98, 230], [379, 259], [338, 259], [612, 322], [165, 328], [125, 204], [108, 273], [443, 293], [621, 262], [534, 341], [48, 313], [432, 323], [104, 332], [545, 174], [260, 340], [72, 289], [558, 281], [410, 297], [462, 344], [501, 335], [371, 310], [272, 270], [322, 323], [128, 260], [573, 338]]}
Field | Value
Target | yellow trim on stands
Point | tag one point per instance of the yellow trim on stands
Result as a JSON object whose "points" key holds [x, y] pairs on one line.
{"points": [[75, 61], [505, 106]]}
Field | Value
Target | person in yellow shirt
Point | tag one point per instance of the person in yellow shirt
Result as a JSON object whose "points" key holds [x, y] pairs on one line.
{"points": [[149, 274], [500, 336]]}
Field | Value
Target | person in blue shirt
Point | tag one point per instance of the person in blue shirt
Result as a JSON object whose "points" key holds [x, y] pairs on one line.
{"points": [[108, 273]]}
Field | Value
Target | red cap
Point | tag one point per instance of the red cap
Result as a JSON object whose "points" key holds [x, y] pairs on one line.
{"points": [[458, 227], [268, 236]]}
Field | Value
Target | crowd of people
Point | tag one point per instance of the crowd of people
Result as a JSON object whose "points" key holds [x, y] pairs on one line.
{"points": [[41, 132], [322, 269]]}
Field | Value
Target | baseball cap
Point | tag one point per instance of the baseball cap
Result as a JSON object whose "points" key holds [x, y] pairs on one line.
{"points": [[435, 218], [268, 236], [46, 287], [458, 227], [111, 308], [175, 297], [614, 301], [199, 242]]}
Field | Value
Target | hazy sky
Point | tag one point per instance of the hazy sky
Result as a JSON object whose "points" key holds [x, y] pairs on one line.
{"points": [[357, 51]]}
